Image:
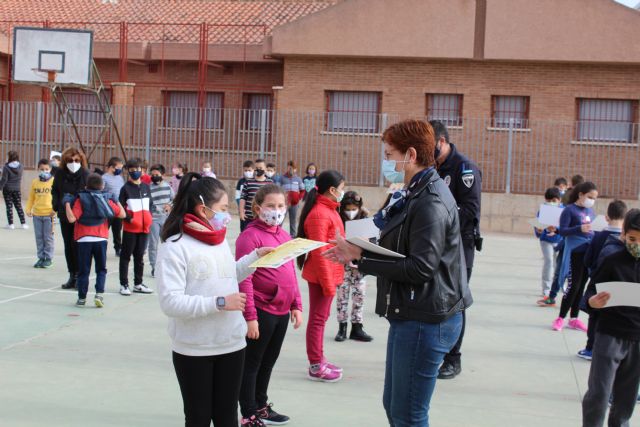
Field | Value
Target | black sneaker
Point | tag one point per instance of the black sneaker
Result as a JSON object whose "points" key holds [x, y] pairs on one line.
{"points": [[118, 251], [449, 370], [38, 264], [271, 417]]}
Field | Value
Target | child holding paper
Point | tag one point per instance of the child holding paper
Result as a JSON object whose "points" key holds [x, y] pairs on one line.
{"points": [[615, 367], [273, 297], [549, 239], [351, 208]]}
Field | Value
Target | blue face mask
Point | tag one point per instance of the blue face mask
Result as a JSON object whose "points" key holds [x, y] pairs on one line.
{"points": [[135, 175], [390, 173], [44, 176], [117, 172]]}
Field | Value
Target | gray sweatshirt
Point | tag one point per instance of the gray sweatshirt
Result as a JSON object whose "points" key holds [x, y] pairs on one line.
{"points": [[11, 177]]}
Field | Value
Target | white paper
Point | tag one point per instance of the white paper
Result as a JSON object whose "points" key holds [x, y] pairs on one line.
{"points": [[537, 224], [364, 228], [622, 293], [550, 215], [368, 246], [54, 153], [600, 223]]}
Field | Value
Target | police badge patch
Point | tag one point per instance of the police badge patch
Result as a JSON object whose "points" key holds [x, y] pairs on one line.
{"points": [[447, 180], [468, 180]]}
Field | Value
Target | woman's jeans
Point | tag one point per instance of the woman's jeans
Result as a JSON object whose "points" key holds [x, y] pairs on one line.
{"points": [[415, 351]]}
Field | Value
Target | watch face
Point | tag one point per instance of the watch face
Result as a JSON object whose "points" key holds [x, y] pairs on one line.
{"points": [[220, 302]]}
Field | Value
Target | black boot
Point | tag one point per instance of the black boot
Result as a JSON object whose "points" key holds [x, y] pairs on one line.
{"points": [[342, 332], [450, 370], [358, 334], [71, 283]]}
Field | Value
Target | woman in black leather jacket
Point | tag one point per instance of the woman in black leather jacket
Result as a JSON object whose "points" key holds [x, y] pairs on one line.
{"points": [[423, 294]]}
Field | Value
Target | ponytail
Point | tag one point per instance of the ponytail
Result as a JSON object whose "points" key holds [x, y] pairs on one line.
{"points": [[324, 182]]}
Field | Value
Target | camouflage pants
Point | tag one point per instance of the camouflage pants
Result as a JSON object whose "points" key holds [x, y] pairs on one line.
{"points": [[355, 285]]}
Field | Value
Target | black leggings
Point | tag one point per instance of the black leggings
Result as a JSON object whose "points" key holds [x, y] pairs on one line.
{"points": [[262, 355], [70, 247], [210, 386], [13, 199], [575, 289]]}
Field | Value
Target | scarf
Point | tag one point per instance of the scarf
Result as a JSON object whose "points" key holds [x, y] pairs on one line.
{"points": [[203, 231]]}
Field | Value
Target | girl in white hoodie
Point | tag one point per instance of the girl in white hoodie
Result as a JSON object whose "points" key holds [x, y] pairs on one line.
{"points": [[198, 290]]}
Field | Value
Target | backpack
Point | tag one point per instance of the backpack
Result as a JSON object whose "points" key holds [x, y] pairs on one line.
{"points": [[95, 208]]}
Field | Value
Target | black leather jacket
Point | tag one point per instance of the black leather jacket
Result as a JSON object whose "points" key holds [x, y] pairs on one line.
{"points": [[430, 284]]}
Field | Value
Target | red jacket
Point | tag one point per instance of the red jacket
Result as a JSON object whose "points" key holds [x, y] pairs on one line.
{"points": [[137, 202], [321, 225], [102, 230]]}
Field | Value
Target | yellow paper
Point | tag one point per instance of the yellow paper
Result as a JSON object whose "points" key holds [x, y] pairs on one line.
{"points": [[287, 252]]}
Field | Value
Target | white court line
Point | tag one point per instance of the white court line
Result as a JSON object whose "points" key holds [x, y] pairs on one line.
{"points": [[17, 258], [27, 295]]}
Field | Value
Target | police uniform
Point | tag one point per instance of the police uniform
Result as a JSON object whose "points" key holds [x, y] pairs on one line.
{"points": [[464, 179]]}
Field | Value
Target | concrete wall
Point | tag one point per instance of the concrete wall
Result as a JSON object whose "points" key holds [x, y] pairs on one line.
{"points": [[501, 213]]}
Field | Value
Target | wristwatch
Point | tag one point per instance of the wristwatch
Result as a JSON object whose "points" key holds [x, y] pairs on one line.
{"points": [[220, 303]]}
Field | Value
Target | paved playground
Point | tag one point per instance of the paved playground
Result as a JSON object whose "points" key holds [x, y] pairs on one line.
{"points": [[65, 366]]}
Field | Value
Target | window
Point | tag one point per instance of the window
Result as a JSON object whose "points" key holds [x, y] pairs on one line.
{"points": [[510, 111], [254, 104], [84, 107], [606, 120], [354, 112], [182, 110], [445, 107]]}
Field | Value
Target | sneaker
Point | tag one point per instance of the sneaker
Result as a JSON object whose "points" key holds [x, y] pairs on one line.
{"points": [[333, 367], [46, 263], [253, 421], [142, 289], [118, 251], [81, 302], [124, 290], [558, 324], [585, 354], [38, 264], [99, 301], [546, 302], [577, 324], [25, 226], [323, 373], [270, 417], [10, 227]]}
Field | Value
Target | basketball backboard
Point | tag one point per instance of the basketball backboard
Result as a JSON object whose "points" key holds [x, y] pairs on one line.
{"points": [[44, 55]]}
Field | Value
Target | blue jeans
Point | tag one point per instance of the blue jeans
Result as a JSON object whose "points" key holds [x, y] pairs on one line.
{"points": [[86, 252], [415, 351]]}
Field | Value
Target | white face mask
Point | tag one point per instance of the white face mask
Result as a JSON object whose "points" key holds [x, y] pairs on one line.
{"points": [[248, 174], [273, 217], [73, 167], [351, 214], [206, 169], [269, 174], [588, 203]]}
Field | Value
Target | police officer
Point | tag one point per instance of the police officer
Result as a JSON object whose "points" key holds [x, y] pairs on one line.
{"points": [[464, 179]]}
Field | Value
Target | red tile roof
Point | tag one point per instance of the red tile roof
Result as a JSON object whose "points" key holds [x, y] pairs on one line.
{"points": [[156, 20]]}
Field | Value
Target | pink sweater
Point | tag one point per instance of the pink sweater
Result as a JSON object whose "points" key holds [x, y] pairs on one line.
{"points": [[274, 290]]}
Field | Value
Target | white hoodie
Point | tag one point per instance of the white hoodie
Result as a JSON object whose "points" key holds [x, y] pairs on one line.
{"points": [[190, 275]]}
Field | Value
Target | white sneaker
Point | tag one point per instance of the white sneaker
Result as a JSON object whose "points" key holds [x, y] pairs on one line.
{"points": [[124, 290], [10, 227], [25, 226], [142, 289]]}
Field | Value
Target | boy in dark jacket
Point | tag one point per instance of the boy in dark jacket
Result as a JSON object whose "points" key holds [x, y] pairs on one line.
{"points": [[135, 196], [549, 240], [615, 367], [10, 185]]}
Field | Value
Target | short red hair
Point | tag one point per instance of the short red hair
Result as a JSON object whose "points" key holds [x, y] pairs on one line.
{"points": [[416, 134]]}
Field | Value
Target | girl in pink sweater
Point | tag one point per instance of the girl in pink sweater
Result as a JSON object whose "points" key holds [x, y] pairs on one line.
{"points": [[273, 297]]}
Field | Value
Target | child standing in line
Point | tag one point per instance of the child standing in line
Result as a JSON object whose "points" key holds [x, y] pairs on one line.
{"points": [[549, 239], [40, 207], [272, 174], [561, 184], [10, 184], [136, 197], [91, 212], [321, 221], [294, 188], [351, 208], [55, 164], [247, 174], [273, 297], [309, 179], [249, 191], [113, 183], [615, 367], [179, 169], [161, 198], [207, 170]]}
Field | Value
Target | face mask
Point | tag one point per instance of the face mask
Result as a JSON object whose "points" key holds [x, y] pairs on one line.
{"points": [[44, 176], [135, 175], [390, 172], [552, 203], [269, 174], [588, 203], [273, 217], [206, 170], [220, 220], [562, 192], [634, 249], [248, 174], [340, 197], [117, 171], [312, 172], [73, 167], [259, 172], [351, 214], [54, 163], [156, 179]]}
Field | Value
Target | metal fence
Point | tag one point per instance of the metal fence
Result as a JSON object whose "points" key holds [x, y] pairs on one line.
{"points": [[513, 160]]}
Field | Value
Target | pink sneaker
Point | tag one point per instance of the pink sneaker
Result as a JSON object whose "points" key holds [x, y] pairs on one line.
{"points": [[577, 324], [324, 374], [333, 367], [558, 324]]}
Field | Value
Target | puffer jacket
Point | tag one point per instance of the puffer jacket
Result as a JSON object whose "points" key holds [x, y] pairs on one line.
{"points": [[11, 177], [430, 284], [321, 225]]}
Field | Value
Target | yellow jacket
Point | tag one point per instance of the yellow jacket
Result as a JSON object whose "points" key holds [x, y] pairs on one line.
{"points": [[39, 202]]}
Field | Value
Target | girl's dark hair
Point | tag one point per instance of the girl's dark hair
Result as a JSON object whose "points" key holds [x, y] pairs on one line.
{"points": [[13, 156], [583, 188], [262, 194], [182, 166], [193, 186], [308, 166], [352, 198], [157, 167], [325, 181]]}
